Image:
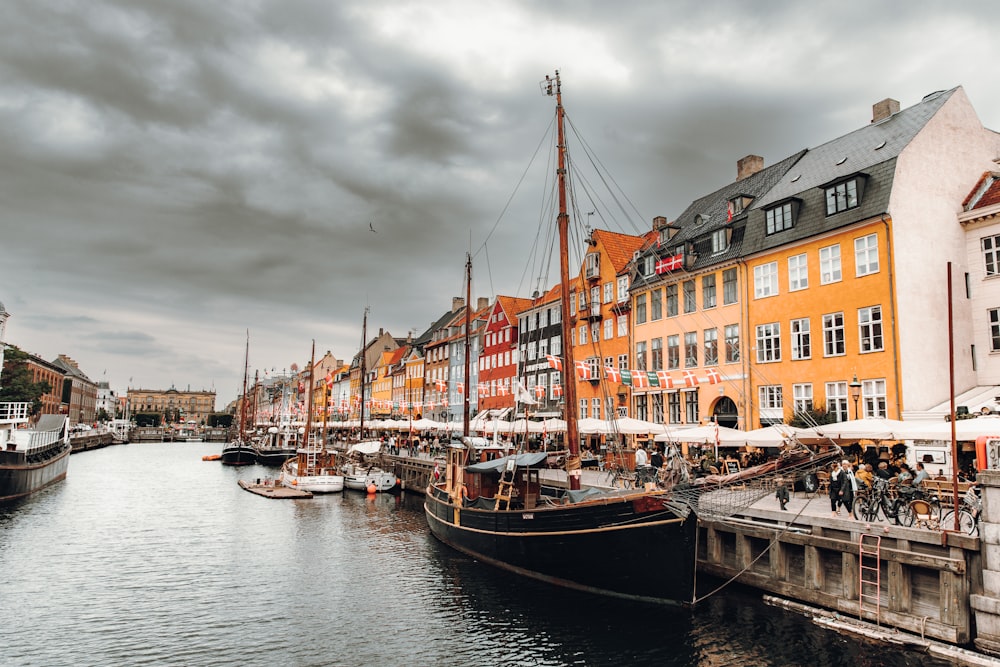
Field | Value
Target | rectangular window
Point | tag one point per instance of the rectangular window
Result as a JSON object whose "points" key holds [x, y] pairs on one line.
{"points": [[582, 335], [841, 196], [640, 309], [991, 254], [623, 325], [622, 362], [779, 218], [829, 265], [656, 304], [720, 240], [873, 397], [595, 300], [870, 328], [765, 280], [802, 397], [593, 261], [640, 355], [768, 342], [555, 317], [658, 408], [640, 406], [673, 352], [672, 300], [690, 349], [609, 329], [798, 272], [690, 305], [801, 340], [674, 407], [732, 343], [866, 255], [572, 307], [711, 341], [595, 404], [622, 288], [595, 332], [691, 407], [656, 354], [729, 294], [708, 291], [836, 400], [833, 335], [583, 408], [772, 405], [994, 315], [609, 292]]}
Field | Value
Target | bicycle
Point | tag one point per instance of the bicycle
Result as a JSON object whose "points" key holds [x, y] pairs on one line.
{"points": [[881, 498], [968, 513], [908, 514]]}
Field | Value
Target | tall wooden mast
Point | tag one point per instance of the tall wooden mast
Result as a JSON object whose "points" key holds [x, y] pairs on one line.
{"points": [[364, 342], [243, 403], [468, 346], [552, 87]]}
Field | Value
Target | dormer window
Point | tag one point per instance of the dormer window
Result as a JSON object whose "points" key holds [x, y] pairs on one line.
{"points": [[593, 265], [844, 194], [780, 217], [720, 240]]}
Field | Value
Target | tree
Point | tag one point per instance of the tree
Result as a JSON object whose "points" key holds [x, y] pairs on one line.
{"points": [[810, 418], [16, 384], [103, 416]]}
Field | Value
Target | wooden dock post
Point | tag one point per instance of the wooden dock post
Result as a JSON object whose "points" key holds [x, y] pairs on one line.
{"points": [[986, 605]]}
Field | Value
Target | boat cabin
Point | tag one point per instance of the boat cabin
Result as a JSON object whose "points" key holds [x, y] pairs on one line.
{"points": [[514, 478]]}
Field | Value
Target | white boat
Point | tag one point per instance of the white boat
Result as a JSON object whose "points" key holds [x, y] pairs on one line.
{"points": [[31, 458], [314, 468], [360, 477], [312, 478]]}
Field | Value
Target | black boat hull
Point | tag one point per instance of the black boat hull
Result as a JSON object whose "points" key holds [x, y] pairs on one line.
{"points": [[21, 476], [273, 457], [238, 455], [630, 547]]}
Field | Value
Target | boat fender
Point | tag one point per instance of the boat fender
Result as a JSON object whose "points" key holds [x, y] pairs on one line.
{"points": [[462, 491]]}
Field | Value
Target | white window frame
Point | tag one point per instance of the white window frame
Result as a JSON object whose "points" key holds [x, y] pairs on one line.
{"points": [[870, 338], [609, 329], [873, 397], [830, 270], [768, 342], [799, 330], [866, 255], [836, 400], [834, 343], [990, 246], [798, 272], [802, 397], [765, 280]]}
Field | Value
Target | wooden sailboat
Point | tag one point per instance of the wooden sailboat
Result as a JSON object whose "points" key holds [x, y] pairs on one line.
{"points": [[358, 475], [314, 467], [241, 452], [634, 544]]}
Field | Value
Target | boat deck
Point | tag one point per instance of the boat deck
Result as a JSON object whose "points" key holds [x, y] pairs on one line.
{"points": [[269, 488]]}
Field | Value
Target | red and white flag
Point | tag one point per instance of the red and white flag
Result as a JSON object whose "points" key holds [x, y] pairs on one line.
{"points": [[690, 379], [713, 376], [539, 391], [640, 380], [612, 374], [666, 382], [554, 361], [673, 263], [583, 370]]}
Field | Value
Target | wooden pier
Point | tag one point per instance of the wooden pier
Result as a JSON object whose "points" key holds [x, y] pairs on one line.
{"points": [[269, 488]]}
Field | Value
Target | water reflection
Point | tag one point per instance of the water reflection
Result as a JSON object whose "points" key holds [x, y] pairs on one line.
{"points": [[148, 555]]}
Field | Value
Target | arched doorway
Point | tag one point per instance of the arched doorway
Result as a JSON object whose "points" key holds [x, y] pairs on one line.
{"points": [[725, 413]]}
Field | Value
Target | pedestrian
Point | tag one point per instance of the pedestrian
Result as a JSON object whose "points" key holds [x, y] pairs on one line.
{"points": [[848, 486], [640, 457], [656, 458], [835, 482]]}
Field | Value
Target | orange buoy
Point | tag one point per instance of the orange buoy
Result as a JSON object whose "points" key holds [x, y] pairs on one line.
{"points": [[371, 488], [211, 457]]}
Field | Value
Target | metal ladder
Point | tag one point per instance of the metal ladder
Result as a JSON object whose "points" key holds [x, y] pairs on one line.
{"points": [[869, 574]]}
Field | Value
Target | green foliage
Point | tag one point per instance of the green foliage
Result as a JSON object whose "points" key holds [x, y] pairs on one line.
{"points": [[103, 416], [15, 381], [812, 418], [148, 418], [220, 420]]}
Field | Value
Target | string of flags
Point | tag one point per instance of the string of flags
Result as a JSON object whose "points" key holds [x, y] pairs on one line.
{"points": [[641, 379]]}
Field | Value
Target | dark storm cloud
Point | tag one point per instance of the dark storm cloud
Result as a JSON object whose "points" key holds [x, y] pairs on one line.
{"points": [[176, 173]]}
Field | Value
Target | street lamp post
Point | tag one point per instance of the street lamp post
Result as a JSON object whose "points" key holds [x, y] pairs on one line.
{"points": [[855, 393]]}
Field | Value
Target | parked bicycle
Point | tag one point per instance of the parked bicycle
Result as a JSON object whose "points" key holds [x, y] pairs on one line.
{"points": [[909, 513], [968, 513], [881, 500]]}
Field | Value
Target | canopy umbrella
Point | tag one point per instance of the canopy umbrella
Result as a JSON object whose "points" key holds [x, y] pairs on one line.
{"points": [[590, 426], [555, 425], [633, 426], [864, 429], [774, 435], [965, 429]]}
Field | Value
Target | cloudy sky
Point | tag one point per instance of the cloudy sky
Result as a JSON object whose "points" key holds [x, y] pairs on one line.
{"points": [[175, 173]]}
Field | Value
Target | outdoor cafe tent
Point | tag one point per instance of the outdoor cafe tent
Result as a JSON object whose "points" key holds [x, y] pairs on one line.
{"points": [[863, 429], [965, 429]]}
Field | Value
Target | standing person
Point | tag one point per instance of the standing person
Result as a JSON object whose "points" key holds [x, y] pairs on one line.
{"points": [[848, 486], [640, 457], [656, 458], [836, 479]]}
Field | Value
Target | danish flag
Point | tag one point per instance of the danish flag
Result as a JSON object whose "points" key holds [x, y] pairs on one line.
{"points": [[640, 380], [539, 391], [583, 370], [554, 361], [441, 385], [690, 379], [666, 381], [557, 390], [672, 263], [612, 374], [501, 389], [713, 376], [460, 387]]}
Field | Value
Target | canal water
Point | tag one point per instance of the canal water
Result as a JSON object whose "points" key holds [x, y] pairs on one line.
{"points": [[147, 555]]}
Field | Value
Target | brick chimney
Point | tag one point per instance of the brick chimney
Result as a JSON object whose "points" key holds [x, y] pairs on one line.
{"points": [[456, 303], [484, 301], [748, 166], [884, 109]]}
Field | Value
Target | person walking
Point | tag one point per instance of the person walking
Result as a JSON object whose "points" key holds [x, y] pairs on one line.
{"points": [[834, 489], [848, 487]]}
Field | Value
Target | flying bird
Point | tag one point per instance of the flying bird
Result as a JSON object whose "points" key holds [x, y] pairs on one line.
{"points": [[372, 227]]}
